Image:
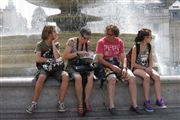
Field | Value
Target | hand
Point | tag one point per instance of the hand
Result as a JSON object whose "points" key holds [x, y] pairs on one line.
{"points": [[124, 72], [82, 53], [55, 40], [116, 69], [149, 70]]}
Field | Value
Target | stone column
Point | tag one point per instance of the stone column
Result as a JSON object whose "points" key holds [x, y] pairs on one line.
{"points": [[174, 32]]}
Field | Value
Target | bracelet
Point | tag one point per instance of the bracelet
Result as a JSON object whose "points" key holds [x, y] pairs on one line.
{"points": [[125, 68], [77, 54]]}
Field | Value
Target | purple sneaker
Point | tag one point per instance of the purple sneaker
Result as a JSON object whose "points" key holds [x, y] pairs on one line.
{"points": [[147, 106], [161, 103]]}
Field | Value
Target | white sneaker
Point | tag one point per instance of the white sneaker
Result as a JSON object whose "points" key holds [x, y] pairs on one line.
{"points": [[30, 109], [61, 107]]}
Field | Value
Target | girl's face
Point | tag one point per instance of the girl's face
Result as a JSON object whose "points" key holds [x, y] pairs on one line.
{"points": [[53, 34], [148, 38]]}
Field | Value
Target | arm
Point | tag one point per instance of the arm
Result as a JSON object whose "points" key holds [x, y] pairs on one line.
{"points": [[124, 63], [150, 59], [56, 52], [40, 59], [67, 53], [123, 60]]}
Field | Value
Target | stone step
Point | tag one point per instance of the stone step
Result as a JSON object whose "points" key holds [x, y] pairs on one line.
{"points": [[14, 70], [17, 59], [170, 113], [17, 49], [19, 39], [16, 94]]}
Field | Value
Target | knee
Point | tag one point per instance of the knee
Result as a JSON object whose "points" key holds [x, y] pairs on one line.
{"points": [[78, 79], [147, 78], [157, 78], [41, 79], [65, 77], [112, 81], [132, 80]]}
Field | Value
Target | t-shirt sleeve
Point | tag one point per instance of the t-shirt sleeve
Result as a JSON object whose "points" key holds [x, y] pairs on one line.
{"points": [[70, 42], [99, 47], [38, 48]]}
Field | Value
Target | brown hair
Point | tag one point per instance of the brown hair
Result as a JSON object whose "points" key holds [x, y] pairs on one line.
{"points": [[48, 29], [142, 34], [113, 28]]}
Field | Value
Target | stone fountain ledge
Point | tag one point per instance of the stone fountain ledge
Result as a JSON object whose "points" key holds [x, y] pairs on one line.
{"points": [[16, 94], [30, 81]]}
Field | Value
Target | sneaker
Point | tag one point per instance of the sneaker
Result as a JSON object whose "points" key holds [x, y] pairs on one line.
{"points": [[136, 109], [147, 106], [161, 103], [30, 109], [113, 111], [61, 107]]}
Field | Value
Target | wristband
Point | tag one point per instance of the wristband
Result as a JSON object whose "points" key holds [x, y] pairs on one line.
{"points": [[77, 54]]}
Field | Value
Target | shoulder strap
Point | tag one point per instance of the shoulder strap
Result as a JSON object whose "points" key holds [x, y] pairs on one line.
{"points": [[149, 48], [137, 49], [77, 44], [86, 47]]}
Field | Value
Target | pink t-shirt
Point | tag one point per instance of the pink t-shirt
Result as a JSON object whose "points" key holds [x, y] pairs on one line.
{"points": [[110, 49]]}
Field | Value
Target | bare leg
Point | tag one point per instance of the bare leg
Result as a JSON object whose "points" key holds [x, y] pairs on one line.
{"points": [[111, 92], [146, 82], [89, 87], [157, 85], [38, 87], [133, 91], [64, 86], [78, 87]]}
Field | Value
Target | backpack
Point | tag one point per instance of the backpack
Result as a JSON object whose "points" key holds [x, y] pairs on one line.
{"points": [[128, 55]]}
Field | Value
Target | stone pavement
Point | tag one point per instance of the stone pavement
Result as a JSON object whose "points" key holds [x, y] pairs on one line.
{"points": [[170, 113]]}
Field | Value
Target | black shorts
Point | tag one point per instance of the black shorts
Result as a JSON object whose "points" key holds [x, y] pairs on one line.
{"points": [[56, 75]]}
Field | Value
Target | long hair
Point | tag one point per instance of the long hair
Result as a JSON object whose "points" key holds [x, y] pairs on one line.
{"points": [[142, 34], [48, 29]]}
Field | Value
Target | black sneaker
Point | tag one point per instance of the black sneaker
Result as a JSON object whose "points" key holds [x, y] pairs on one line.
{"points": [[136, 109], [161, 103], [113, 111]]}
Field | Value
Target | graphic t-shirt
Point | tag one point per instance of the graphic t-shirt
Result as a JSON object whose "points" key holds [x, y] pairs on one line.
{"points": [[110, 49], [142, 58]]}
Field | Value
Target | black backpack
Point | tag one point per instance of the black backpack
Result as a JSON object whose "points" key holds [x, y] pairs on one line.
{"points": [[128, 55]]}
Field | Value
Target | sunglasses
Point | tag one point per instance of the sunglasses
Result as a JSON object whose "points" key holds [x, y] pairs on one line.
{"points": [[108, 34], [86, 38]]}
